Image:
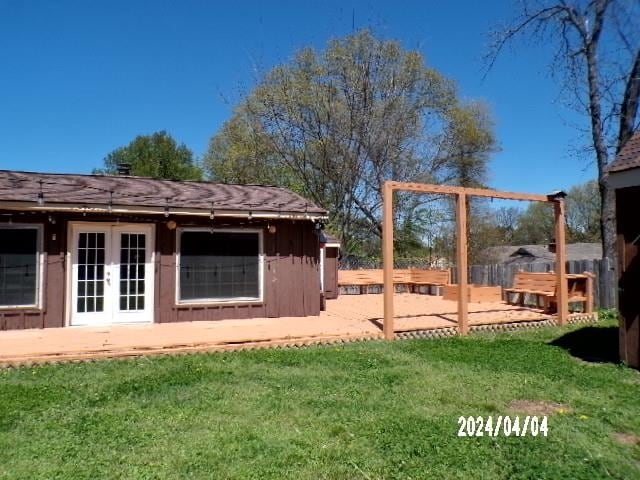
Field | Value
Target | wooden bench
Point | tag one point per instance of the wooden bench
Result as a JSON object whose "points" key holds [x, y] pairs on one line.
{"points": [[359, 281], [580, 289], [538, 284], [430, 278], [402, 282], [544, 285], [371, 281]]}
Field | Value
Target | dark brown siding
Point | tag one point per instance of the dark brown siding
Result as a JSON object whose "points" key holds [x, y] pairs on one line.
{"points": [[271, 272], [628, 226], [291, 275], [310, 271], [331, 272], [55, 274]]}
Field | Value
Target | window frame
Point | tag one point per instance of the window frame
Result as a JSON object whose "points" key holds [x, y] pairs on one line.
{"points": [[221, 301], [40, 255]]}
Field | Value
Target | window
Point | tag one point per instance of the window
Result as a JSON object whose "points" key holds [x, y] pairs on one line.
{"points": [[19, 266], [219, 266]]}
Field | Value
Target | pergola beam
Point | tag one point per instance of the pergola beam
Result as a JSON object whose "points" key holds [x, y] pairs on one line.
{"points": [[471, 192]]}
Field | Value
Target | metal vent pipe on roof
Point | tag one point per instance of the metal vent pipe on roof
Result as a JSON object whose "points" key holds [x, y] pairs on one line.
{"points": [[123, 168]]}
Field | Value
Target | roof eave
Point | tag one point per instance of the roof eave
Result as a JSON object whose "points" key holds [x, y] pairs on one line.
{"points": [[161, 211]]}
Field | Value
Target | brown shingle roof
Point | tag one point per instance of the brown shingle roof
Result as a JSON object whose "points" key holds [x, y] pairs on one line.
{"points": [[629, 156], [541, 253], [147, 192]]}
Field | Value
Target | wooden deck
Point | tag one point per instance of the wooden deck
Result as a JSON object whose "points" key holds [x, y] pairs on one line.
{"points": [[348, 317]]}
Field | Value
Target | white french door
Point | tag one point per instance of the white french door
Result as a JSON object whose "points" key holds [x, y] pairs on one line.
{"points": [[111, 274]]}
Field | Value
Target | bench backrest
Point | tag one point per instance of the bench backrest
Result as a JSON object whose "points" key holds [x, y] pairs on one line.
{"points": [[402, 276], [375, 277], [436, 277], [359, 277], [539, 282]]}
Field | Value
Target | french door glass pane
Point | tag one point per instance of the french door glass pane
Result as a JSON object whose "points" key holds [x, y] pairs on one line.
{"points": [[132, 272], [90, 283]]}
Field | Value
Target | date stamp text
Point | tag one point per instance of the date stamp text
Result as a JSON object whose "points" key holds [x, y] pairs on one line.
{"points": [[531, 425]]}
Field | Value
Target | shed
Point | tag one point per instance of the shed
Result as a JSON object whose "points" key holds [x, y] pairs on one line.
{"points": [[624, 176], [95, 250], [329, 258]]}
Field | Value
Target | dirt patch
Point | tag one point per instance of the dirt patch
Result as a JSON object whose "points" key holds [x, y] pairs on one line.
{"points": [[626, 438], [632, 381], [538, 407]]}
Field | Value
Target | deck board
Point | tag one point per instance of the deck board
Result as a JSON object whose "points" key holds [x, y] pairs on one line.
{"points": [[347, 317]]}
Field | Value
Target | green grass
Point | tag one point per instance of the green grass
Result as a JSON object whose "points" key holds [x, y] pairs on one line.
{"points": [[366, 410]]}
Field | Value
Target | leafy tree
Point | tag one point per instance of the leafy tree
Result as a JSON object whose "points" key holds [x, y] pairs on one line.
{"points": [[242, 153], [583, 213], [536, 225], [157, 155], [597, 59], [334, 125]]}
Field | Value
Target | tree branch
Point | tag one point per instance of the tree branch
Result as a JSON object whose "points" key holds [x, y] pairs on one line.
{"points": [[629, 107]]}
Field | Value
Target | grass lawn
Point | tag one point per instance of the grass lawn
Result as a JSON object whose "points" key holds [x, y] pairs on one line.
{"points": [[366, 410]]}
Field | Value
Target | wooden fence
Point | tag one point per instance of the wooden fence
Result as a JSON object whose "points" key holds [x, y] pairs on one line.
{"points": [[605, 282]]}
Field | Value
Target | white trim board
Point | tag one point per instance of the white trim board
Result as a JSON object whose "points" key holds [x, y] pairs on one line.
{"points": [[625, 178]]}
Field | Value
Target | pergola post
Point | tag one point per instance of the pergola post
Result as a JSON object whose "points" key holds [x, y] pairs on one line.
{"points": [[387, 260], [562, 294], [461, 261]]}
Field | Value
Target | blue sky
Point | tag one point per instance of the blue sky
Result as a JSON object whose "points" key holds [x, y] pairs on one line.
{"points": [[81, 78]]}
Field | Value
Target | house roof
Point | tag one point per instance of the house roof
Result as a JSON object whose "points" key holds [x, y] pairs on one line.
{"points": [[537, 253], [141, 192], [628, 157]]}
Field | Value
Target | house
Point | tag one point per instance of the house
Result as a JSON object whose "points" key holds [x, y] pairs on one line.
{"points": [[517, 254], [624, 177], [96, 250]]}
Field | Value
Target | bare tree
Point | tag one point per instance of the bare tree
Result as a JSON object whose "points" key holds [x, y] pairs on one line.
{"points": [[506, 219], [597, 59]]}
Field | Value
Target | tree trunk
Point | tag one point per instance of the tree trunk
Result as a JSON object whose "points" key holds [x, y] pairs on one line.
{"points": [[608, 221], [629, 108], [607, 195]]}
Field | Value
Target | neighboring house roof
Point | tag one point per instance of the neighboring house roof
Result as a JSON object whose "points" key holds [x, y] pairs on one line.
{"points": [[129, 191], [629, 156], [540, 253]]}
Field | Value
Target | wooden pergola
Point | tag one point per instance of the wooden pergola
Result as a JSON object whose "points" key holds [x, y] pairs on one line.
{"points": [[461, 194]]}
